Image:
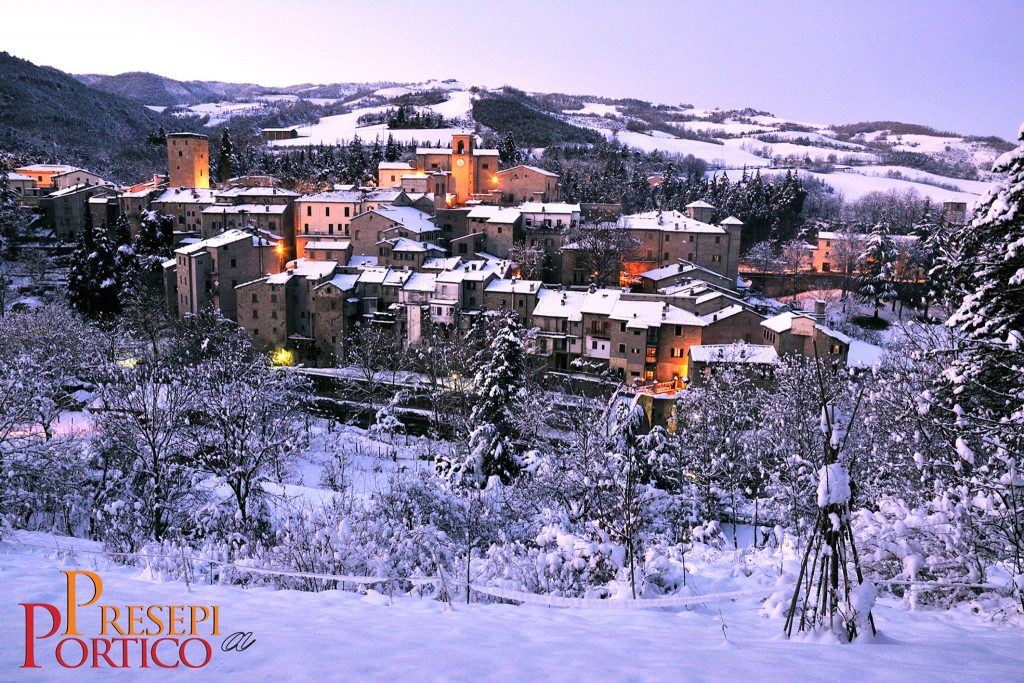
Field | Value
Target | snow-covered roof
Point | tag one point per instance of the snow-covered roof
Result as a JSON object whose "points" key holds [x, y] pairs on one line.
{"points": [[699, 204], [328, 244], [668, 221], [185, 195], [740, 352], [14, 175], [505, 216], [373, 274], [722, 314], [483, 211], [48, 168], [513, 286], [396, 277], [404, 244], [568, 305], [382, 195], [275, 209], [437, 263], [835, 334], [731, 220], [529, 168], [258, 191], [408, 217], [395, 165], [72, 190], [333, 196], [671, 270], [225, 238], [360, 261], [343, 281], [549, 207], [783, 322], [644, 314], [421, 282]]}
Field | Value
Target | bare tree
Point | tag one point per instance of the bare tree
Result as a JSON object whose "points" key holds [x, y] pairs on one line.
{"points": [[601, 249], [764, 258], [529, 259]]}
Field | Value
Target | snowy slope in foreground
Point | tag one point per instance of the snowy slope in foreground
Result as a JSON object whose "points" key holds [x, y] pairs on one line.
{"points": [[345, 636]]}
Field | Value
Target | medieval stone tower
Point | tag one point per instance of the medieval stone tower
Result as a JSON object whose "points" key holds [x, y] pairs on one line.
{"points": [[188, 160], [463, 166]]}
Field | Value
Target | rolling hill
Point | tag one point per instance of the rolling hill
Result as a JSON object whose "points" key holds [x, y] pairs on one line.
{"points": [[47, 115], [101, 122]]}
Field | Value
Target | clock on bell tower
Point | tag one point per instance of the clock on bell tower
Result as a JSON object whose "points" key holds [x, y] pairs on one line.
{"points": [[463, 170]]}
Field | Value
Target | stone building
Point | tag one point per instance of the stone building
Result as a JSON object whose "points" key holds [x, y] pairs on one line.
{"points": [[472, 169], [371, 227], [525, 184], [188, 160], [205, 274], [279, 310]]}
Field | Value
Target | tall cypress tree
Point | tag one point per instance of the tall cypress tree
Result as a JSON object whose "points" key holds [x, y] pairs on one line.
{"points": [[224, 156]]}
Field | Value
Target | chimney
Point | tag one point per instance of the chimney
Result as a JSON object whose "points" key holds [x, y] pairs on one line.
{"points": [[819, 310]]}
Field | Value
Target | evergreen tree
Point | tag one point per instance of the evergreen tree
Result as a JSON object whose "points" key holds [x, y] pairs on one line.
{"points": [[877, 268], [983, 391], [153, 243], [11, 218], [376, 155], [94, 283], [224, 156], [121, 233], [508, 152], [498, 388], [391, 149]]}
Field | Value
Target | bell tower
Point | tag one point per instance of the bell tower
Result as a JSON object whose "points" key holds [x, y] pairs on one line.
{"points": [[463, 166]]}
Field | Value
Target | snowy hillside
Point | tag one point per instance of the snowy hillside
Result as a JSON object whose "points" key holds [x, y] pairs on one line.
{"points": [[853, 158]]}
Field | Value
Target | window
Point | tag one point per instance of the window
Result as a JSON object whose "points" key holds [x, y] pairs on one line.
{"points": [[520, 303], [666, 255], [309, 210], [718, 239], [254, 297], [668, 238], [255, 314], [327, 211], [622, 348], [689, 256], [679, 330], [677, 353], [593, 344], [622, 327], [347, 209], [233, 263], [305, 229], [273, 314], [273, 298], [717, 258], [486, 166], [330, 229], [635, 351]]}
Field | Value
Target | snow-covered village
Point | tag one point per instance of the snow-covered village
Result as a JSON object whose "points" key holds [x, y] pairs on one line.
{"points": [[686, 344]]}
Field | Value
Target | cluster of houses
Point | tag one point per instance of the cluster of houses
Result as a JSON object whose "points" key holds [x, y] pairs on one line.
{"points": [[428, 247]]}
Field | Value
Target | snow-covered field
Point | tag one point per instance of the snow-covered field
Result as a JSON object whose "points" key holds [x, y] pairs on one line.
{"points": [[862, 180], [339, 635]]}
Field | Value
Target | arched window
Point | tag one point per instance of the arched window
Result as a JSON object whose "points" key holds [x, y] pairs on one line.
{"points": [[461, 148]]}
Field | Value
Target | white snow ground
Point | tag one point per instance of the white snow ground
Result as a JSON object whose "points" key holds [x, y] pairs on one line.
{"points": [[346, 636]]}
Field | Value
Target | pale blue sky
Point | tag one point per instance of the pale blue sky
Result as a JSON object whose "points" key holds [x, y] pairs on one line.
{"points": [[953, 65]]}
